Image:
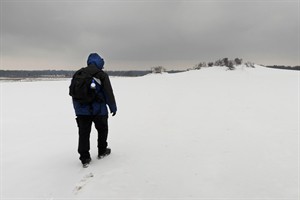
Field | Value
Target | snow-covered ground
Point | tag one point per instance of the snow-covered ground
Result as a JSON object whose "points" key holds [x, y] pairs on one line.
{"points": [[206, 134]]}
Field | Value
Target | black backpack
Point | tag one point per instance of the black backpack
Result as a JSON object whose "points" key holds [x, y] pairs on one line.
{"points": [[80, 88]]}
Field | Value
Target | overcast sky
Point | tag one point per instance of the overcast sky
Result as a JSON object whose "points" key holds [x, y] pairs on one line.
{"points": [[131, 34]]}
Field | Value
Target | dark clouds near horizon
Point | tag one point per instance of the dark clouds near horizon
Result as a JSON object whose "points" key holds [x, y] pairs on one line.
{"points": [[141, 34]]}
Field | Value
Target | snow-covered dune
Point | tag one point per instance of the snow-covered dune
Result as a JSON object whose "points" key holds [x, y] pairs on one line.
{"points": [[203, 134]]}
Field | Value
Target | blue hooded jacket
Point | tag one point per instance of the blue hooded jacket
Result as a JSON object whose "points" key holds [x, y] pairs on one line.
{"points": [[95, 59], [103, 90]]}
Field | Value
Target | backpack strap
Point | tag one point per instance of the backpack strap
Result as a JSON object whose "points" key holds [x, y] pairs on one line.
{"points": [[94, 73], [90, 71]]}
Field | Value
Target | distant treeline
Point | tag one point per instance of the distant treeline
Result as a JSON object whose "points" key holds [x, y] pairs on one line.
{"points": [[231, 63], [63, 73], [132, 73], [69, 74], [128, 73], [284, 67], [35, 74]]}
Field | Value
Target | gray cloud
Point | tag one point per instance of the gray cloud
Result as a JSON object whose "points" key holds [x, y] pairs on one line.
{"points": [[132, 34]]}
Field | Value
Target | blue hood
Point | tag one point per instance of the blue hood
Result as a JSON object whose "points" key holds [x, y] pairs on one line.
{"points": [[95, 59]]}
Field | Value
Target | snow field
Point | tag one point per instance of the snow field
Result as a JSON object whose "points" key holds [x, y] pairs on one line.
{"points": [[201, 134]]}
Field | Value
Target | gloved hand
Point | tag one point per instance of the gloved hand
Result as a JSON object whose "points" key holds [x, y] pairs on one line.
{"points": [[113, 109]]}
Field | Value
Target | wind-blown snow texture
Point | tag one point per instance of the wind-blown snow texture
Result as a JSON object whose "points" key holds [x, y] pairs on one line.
{"points": [[201, 134]]}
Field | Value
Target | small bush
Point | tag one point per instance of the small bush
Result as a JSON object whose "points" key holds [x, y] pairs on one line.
{"points": [[210, 64], [238, 61], [158, 69]]}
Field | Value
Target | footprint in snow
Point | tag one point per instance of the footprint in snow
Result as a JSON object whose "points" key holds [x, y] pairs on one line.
{"points": [[83, 182]]}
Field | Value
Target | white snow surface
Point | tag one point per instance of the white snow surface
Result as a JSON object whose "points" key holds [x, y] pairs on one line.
{"points": [[206, 134]]}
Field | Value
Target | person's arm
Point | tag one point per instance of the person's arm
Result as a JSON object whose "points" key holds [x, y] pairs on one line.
{"points": [[108, 91]]}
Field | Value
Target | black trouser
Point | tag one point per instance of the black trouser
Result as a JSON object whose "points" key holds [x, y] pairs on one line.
{"points": [[84, 124]]}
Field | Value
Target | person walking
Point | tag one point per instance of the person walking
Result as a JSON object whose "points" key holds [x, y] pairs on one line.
{"points": [[94, 110]]}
